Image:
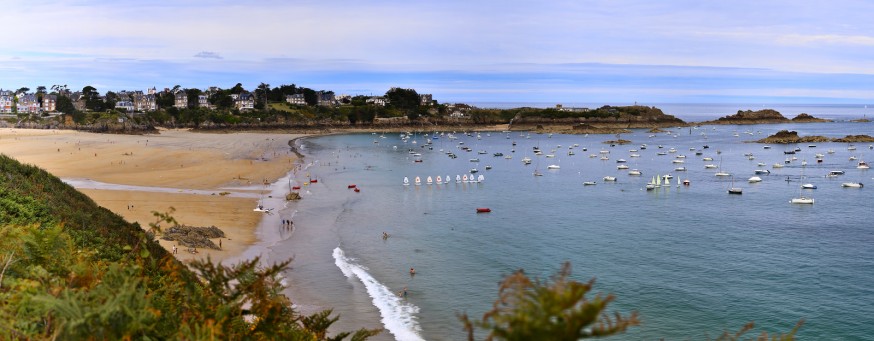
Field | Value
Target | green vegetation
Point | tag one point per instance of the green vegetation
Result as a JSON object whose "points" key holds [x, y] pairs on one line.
{"points": [[552, 310], [71, 270]]}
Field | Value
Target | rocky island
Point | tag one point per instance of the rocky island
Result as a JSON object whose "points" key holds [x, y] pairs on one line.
{"points": [[788, 137], [603, 120], [764, 116]]}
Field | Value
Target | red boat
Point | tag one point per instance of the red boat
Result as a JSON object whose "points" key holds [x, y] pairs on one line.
{"points": [[296, 188], [357, 190], [351, 186], [312, 181], [483, 210]]}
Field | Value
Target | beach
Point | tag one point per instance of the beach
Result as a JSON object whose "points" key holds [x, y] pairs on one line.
{"points": [[210, 179]]}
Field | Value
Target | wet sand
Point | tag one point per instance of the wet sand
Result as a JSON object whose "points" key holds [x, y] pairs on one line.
{"points": [[174, 159]]}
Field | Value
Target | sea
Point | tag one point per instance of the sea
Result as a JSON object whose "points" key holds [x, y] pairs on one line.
{"points": [[692, 260]]}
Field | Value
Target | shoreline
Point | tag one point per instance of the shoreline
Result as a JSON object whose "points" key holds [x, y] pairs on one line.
{"points": [[189, 171]]}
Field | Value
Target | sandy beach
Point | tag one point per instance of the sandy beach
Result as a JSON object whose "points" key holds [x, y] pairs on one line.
{"points": [[165, 168]]}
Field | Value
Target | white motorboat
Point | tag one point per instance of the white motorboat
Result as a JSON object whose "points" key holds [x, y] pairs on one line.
{"points": [[589, 183], [808, 186], [863, 165], [634, 172], [754, 179], [609, 178], [553, 167], [802, 200], [852, 185]]}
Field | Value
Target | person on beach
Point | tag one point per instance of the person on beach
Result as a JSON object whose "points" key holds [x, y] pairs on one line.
{"points": [[174, 249]]}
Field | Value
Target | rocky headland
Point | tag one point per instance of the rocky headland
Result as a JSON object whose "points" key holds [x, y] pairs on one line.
{"points": [[788, 137]]}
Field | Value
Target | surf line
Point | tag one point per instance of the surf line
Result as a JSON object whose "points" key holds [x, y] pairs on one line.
{"points": [[398, 316]]}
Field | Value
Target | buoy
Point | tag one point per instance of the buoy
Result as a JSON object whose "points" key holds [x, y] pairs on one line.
{"points": [[483, 210]]}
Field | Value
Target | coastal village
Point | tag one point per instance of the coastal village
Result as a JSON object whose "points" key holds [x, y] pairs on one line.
{"points": [[24, 101]]}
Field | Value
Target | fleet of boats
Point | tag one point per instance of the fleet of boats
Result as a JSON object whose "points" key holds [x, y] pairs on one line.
{"points": [[658, 181]]}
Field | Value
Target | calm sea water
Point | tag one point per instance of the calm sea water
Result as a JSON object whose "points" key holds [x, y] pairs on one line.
{"points": [[693, 261]]}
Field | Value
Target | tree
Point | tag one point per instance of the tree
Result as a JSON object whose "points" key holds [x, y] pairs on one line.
{"points": [[165, 100], [310, 96], [261, 96], [221, 100], [65, 105], [40, 94], [551, 310], [238, 89], [110, 99], [192, 97], [405, 100], [92, 99], [23, 90]]}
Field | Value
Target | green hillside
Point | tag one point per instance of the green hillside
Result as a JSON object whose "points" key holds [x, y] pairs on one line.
{"points": [[72, 270]]}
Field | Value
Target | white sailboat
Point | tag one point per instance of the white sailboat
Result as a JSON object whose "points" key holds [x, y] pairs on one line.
{"points": [[406, 181], [801, 199], [418, 181]]}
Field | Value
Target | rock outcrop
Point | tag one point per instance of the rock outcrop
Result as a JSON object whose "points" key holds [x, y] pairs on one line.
{"points": [[807, 118], [855, 139], [764, 116], [193, 236], [787, 137]]}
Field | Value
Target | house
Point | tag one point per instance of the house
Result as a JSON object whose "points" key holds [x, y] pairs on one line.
{"points": [[343, 98], [7, 98], [125, 105], [145, 102], [49, 103], [296, 99], [377, 100], [28, 104], [425, 100], [203, 101], [244, 101], [560, 107], [181, 100], [325, 99]]}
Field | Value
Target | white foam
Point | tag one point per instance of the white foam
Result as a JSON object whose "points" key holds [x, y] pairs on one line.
{"points": [[398, 316]]}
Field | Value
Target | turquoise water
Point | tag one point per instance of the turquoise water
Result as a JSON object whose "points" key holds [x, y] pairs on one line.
{"points": [[692, 260]]}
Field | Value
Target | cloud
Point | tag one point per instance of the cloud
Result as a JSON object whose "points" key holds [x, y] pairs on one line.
{"points": [[208, 55]]}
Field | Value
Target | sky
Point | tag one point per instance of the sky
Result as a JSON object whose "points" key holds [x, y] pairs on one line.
{"points": [[586, 51]]}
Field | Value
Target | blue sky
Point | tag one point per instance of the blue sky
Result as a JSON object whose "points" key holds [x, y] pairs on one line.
{"points": [[459, 51]]}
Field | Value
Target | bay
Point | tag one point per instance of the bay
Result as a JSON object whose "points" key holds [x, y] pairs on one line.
{"points": [[692, 260]]}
